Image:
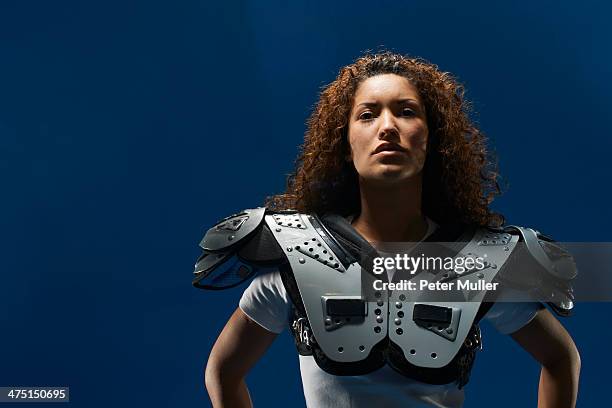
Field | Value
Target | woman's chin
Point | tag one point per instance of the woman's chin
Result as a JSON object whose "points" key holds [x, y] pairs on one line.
{"points": [[393, 176]]}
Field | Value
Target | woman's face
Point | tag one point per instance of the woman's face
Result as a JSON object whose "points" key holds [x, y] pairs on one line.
{"points": [[387, 130]]}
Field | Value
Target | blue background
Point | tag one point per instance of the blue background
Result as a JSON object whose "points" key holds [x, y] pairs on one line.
{"points": [[127, 128]]}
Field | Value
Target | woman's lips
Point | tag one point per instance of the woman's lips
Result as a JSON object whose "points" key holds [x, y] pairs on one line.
{"points": [[389, 148], [390, 152], [393, 155]]}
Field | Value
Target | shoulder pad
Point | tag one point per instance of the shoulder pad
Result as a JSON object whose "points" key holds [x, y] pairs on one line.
{"points": [[235, 249], [231, 230], [555, 270], [547, 253]]}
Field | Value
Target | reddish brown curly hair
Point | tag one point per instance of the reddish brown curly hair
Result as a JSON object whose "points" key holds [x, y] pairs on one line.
{"points": [[459, 177]]}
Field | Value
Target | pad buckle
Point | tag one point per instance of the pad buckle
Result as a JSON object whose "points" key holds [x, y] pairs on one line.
{"points": [[300, 327], [474, 340]]}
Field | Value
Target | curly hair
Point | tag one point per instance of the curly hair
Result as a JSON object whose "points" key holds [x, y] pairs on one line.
{"points": [[459, 178]]}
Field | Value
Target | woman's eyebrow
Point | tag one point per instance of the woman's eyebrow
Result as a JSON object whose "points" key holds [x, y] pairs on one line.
{"points": [[399, 102], [408, 100], [368, 104]]}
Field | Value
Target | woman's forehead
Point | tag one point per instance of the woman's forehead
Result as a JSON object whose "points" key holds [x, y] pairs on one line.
{"points": [[384, 87]]}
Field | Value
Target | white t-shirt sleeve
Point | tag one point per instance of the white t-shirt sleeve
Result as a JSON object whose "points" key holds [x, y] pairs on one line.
{"points": [[266, 302], [508, 317]]}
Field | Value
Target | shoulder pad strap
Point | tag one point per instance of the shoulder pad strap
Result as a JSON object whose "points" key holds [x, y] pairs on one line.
{"points": [[342, 238]]}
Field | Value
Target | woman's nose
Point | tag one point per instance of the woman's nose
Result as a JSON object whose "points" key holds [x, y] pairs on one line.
{"points": [[388, 126]]}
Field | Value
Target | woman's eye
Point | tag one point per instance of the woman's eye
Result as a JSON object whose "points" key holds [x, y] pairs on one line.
{"points": [[408, 112], [366, 115]]}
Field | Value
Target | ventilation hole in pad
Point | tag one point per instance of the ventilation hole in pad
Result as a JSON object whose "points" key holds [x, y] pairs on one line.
{"points": [[340, 349], [361, 348], [434, 355]]}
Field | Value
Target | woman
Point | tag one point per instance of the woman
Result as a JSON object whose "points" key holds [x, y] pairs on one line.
{"points": [[390, 147]]}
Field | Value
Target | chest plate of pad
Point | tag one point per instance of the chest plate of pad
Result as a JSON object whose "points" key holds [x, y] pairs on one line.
{"points": [[345, 326], [431, 334]]}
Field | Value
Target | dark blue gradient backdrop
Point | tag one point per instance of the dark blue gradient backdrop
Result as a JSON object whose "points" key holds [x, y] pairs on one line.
{"points": [[129, 127]]}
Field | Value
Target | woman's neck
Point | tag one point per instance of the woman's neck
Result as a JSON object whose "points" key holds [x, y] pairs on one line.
{"points": [[391, 213]]}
